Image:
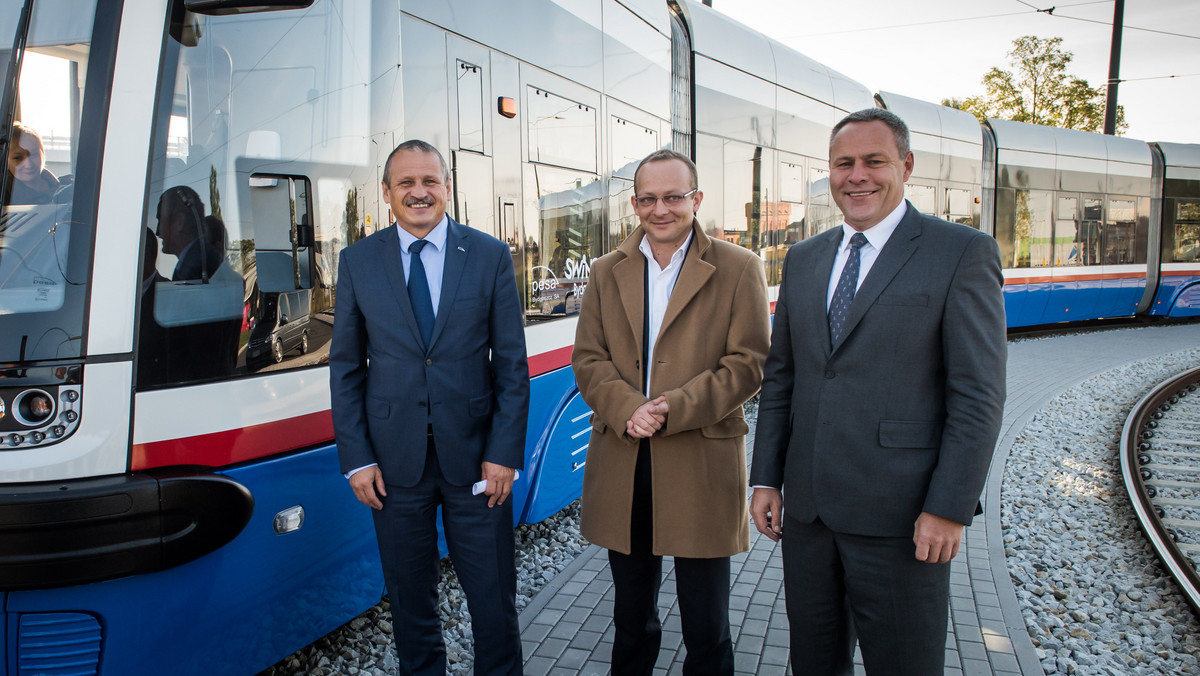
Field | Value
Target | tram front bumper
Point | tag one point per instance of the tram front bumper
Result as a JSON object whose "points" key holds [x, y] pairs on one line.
{"points": [[63, 533]]}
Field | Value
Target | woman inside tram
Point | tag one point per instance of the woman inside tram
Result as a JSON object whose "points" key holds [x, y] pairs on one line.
{"points": [[32, 182]]}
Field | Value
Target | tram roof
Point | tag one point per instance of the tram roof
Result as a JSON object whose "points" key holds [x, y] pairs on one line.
{"points": [[1034, 138], [723, 39], [923, 117], [1181, 154]]}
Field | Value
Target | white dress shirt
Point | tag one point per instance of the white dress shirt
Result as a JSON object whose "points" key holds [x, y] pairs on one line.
{"points": [[877, 235], [433, 256], [661, 283]]}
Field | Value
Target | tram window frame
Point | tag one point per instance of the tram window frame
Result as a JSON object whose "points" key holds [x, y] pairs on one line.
{"points": [[1120, 237], [1186, 231], [470, 113], [630, 143], [958, 207], [1067, 251], [923, 197], [562, 131], [822, 213], [572, 234]]}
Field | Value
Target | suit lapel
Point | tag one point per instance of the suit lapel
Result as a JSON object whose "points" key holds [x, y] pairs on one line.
{"points": [[455, 262], [899, 248], [812, 286], [388, 250]]}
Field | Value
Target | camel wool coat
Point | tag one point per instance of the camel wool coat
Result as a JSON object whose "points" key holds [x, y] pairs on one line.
{"points": [[708, 361]]}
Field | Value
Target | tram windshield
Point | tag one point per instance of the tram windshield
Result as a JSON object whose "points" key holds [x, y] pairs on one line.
{"points": [[48, 139]]}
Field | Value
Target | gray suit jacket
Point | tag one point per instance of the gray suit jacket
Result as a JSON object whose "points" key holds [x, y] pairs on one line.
{"points": [[901, 417]]}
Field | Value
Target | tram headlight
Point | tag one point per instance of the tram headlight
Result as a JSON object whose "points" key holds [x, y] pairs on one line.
{"points": [[33, 407]]}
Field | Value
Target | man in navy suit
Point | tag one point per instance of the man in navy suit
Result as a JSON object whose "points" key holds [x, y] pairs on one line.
{"points": [[430, 392], [881, 402]]}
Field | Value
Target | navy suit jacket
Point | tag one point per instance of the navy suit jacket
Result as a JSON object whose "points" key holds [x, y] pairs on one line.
{"points": [[900, 417], [474, 373]]}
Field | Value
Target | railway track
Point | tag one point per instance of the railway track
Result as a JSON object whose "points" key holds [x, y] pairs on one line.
{"points": [[1160, 464]]}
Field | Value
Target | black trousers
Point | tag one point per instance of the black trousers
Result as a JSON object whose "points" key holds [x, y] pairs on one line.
{"points": [[702, 586], [481, 547], [843, 587]]}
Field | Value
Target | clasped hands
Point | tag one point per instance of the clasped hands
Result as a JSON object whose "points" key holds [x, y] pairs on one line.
{"points": [[647, 419]]}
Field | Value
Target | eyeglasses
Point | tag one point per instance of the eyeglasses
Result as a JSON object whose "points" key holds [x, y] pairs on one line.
{"points": [[647, 201]]}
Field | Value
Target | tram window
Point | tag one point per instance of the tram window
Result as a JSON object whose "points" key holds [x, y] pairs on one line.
{"points": [[561, 132], [958, 207], [822, 214], [1067, 249], [45, 245], [622, 219], [784, 220], [473, 200], [271, 138], [1187, 230], [1089, 231], [631, 143], [567, 237], [1120, 232], [470, 107], [922, 197], [746, 178], [1023, 227]]}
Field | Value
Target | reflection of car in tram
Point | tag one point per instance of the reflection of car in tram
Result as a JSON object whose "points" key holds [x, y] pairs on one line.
{"points": [[190, 518], [282, 326]]}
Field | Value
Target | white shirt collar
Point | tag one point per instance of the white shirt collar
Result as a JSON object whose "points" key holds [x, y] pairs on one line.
{"points": [[877, 235], [644, 247], [436, 237]]}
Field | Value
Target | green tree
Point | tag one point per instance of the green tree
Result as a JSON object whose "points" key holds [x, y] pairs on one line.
{"points": [[1039, 90], [350, 217], [214, 193]]}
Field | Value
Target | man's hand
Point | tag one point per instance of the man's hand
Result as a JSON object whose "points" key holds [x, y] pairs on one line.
{"points": [[647, 419], [937, 539], [766, 508], [499, 483], [368, 486]]}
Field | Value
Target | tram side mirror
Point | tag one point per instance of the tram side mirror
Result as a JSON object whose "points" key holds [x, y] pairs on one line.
{"points": [[222, 7], [284, 234]]}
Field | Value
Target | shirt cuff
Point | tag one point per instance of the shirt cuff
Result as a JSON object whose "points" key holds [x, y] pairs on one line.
{"points": [[356, 471]]}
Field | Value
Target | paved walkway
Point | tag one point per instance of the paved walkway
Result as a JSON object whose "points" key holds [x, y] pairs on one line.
{"points": [[567, 628]]}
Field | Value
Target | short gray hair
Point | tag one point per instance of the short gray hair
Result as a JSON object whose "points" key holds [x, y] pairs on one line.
{"points": [[664, 155], [893, 121], [414, 145]]}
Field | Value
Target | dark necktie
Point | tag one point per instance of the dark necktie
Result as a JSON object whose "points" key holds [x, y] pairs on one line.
{"points": [[843, 295], [418, 291]]}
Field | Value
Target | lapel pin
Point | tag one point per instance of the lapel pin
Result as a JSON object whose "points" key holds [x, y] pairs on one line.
{"points": [[462, 249]]}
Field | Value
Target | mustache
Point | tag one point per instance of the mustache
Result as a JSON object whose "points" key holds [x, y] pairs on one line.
{"points": [[414, 201]]}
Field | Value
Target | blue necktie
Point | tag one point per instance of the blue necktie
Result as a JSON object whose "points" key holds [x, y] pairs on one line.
{"points": [[843, 295], [418, 291]]}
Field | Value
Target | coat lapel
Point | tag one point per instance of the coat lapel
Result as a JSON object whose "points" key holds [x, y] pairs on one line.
{"points": [[630, 275], [388, 250], [455, 262], [899, 248], [694, 274]]}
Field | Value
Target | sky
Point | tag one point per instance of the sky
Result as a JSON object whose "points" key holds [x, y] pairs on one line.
{"points": [[935, 49]]}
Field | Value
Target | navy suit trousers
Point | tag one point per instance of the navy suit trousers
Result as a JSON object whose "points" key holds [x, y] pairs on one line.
{"points": [[481, 547]]}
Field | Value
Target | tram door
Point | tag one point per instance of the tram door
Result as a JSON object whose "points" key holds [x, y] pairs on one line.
{"points": [[485, 160]]}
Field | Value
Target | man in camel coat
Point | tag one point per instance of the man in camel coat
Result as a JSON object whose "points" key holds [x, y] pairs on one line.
{"points": [[671, 341]]}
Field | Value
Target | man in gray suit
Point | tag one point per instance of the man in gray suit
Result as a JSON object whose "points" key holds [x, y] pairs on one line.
{"points": [[881, 404]]}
